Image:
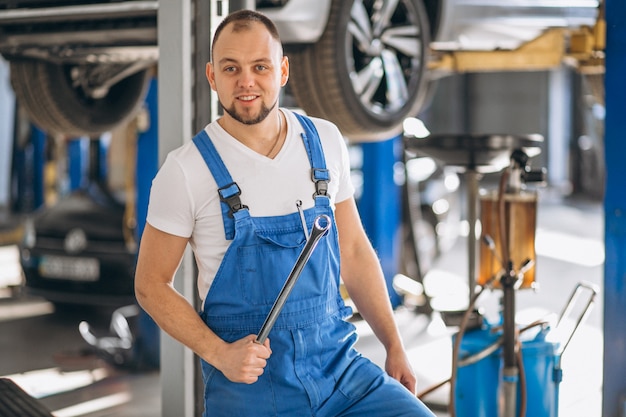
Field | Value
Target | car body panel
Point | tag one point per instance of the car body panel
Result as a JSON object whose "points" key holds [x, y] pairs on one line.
{"points": [[60, 31], [487, 25], [300, 21]]}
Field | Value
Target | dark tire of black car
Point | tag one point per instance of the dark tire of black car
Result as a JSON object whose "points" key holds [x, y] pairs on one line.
{"points": [[45, 91], [323, 75]]}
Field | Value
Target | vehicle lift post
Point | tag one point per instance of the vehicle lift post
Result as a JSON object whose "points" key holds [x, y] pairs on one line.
{"points": [[614, 383], [146, 166], [380, 205]]}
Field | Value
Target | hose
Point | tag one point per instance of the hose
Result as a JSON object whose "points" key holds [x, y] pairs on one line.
{"points": [[455, 351], [522, 379], [477, 357], [504, 243]]}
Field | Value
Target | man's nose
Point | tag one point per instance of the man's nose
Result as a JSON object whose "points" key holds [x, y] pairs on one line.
{"points": [[246, 78]]}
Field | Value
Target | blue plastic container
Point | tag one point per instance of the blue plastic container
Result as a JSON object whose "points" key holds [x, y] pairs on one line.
{"points": [[478, 384]]}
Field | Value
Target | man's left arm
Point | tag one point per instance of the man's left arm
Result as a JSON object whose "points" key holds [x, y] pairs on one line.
{"points": [[363, 277]]}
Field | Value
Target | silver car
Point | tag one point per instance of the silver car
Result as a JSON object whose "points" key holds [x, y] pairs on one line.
{"points": [[80, 67]]}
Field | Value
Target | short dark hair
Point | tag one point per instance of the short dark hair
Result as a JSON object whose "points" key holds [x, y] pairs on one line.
{"points": [[242, 20]]}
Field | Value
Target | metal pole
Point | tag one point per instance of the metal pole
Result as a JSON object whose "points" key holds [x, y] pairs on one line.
{"points": [[472, 217], [510, 372], [175, 102], [7, 122]]}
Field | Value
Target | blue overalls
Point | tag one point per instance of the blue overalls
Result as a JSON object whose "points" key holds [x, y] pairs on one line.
{"points": [[314, 369]]}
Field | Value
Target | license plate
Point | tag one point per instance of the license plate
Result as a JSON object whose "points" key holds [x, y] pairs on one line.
{"points": [[70, 268]]}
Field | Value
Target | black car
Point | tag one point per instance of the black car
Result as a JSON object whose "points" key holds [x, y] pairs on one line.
{"points": [[77, 251]]}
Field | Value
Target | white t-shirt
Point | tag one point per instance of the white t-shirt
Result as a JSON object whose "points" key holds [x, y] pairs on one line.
{"points": [[184, 199]]}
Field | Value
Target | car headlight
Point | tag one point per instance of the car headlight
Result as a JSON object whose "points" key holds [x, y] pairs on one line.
{"points": [[29, 238]]}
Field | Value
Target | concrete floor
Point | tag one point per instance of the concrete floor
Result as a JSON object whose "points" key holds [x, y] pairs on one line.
{"points": [[44, 353]]}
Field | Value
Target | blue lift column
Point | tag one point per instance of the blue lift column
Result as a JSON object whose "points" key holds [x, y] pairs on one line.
{"points": [[147, 157], [380, 205], [78, 162], [29, 165], [147, 164], [614, 381]]}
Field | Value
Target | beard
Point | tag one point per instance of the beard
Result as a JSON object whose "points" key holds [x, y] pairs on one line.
{"points": [[264, 112]]}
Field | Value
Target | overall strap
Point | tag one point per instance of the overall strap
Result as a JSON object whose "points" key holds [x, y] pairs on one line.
{"points": [[228, 190], [313, 145]]}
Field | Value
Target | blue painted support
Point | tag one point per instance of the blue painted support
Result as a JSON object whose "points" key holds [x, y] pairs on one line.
{"points": [[38, 147], [614, 383], [27, 171], [381, 203], [147, 157], [78, 162], [147, 164]]}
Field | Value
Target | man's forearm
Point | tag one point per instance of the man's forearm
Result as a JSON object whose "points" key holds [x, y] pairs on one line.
{"points": [[177, 317], [367, 289]]}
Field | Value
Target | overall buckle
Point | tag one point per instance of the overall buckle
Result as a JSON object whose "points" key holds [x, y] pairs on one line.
{"points": [[229, 194], [321, 178]]}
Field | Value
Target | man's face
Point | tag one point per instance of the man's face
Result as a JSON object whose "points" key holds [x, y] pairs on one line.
{"points": [[247, 72]]}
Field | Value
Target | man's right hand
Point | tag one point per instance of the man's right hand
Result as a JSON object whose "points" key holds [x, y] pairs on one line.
{"points": [[244, 360]]}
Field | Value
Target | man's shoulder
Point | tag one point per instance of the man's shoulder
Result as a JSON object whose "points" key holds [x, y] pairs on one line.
{"points": [[183, 150], [184, 155]]}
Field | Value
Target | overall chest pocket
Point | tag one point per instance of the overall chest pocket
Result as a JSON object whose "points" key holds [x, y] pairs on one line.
{"points": [[264, 267]]}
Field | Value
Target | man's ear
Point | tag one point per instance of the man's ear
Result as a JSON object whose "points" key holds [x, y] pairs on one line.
{"points": [[284, 69], [210, 75]]}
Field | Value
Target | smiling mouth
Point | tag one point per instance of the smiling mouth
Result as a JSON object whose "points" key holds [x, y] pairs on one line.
{"points": [[247, 98]]}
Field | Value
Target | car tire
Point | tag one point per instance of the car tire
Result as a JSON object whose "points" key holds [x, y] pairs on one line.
{"points": [[324, 75], [46, 93]]}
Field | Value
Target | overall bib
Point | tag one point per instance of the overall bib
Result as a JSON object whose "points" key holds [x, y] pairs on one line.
{"points": [[314, 369]]}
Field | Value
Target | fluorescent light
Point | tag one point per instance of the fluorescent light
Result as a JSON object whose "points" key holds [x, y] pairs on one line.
{"points": [[92, 406], [46, 382], [25, 309]]}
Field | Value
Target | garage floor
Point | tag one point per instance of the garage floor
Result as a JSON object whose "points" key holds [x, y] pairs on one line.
{"points": [[43, 352]]}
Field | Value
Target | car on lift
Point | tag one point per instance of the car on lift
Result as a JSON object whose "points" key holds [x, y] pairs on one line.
{"points": [[80, 67]]}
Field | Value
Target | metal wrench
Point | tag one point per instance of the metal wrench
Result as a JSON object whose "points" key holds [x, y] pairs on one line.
{"points": [[320, 228]]}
